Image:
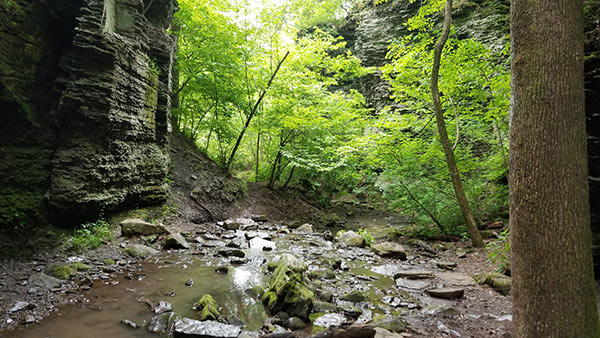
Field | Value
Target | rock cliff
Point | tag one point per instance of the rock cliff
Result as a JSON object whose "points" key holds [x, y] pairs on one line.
{"points": [[85, 94]]}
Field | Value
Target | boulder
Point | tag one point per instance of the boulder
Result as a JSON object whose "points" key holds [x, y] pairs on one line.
{"points": [[287, 290], [330, 319], [232, 253], [351, 238], [140, 250], [176, 241], [304, 229], [294, 323], [134, 226], [390, 250], [187, 327], [44, 281], [163, 307]]}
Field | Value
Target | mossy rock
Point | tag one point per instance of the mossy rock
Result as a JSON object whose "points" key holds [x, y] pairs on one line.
{"points": [[78, 266], [208, 308], [109, 261], [496, 280], [140, 251], [287, 290], [354, 297], [62, 271]]}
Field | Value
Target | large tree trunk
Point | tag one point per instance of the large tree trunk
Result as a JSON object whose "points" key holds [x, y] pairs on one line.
{"points": [[553, 287], [441, 126]]}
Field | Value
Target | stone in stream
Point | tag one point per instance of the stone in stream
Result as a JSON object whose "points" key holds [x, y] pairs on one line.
{"points": [[235, 243], [390, 250], [327, 235], [259, 243], [232, 253], [222, 269], [176, 241], [447, 293], [414, 274], [187, 327], [140, 251], [230, 224], [134, 226], [129, 323], [163, 324], [330, 319], [208, 308], [287, 290], [304, 229], [351, 239], [163, 307]]}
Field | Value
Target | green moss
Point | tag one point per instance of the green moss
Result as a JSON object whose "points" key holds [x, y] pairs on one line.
{"points": [[78, 266], [208, 308], [62, 271], [109, 261]]}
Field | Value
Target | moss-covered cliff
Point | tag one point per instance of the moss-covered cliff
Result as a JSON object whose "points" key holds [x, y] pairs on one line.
{"points": [[85, 95]]}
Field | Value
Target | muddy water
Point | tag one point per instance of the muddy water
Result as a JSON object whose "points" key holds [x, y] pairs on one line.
{"points": [[104, 306]]}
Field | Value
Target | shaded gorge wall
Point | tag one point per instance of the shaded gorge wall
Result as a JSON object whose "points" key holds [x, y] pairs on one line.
{"points": [[85, 100]]}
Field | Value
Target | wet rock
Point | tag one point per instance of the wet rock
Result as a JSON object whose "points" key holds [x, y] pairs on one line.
{"points": [[140, 250], [176, 241], [496, 280], [163, 324], [187, 327], [260, 243], [328, 236], [330, 319], [238, 261], [230, 224], [44, 281], [390, 250], [259, 218], [445, 265], [163, 307], [326, 296], [222, 269], [18, 306], [304, 229], [29, 319], [287, 290], [248, 334], [235, 243], [294, 323], [351, 239], [447, 293], [134, 226], [232, 253], [129, 323], [189, 283], [414, 274], [323, 307], [208, 308], [354, 297]]}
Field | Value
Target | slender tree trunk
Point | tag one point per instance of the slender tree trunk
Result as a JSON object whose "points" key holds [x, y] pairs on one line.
{"points": [[253, 111], [257, 157], [441, 126], [289, 179], [553, 287], [274, 168]]}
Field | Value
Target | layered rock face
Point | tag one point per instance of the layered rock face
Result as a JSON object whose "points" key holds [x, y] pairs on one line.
{"points": [[85, 92]]}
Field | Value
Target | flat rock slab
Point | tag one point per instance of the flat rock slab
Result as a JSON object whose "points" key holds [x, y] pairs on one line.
{"points": [[44, 281], [330, 319], [187, 327], [447, 293], [446, 265], [414, 274], [456, 278]]}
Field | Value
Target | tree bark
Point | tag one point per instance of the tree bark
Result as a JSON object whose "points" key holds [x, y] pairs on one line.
{"points": [[459, 191], [553, 287]]}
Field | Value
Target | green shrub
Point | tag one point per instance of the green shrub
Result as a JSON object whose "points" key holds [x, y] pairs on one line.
{"points": [[90, 236], [369, 240], [499, 252]]}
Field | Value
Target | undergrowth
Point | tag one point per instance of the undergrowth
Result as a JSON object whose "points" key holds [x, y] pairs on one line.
{"points": [[90, 236]]}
